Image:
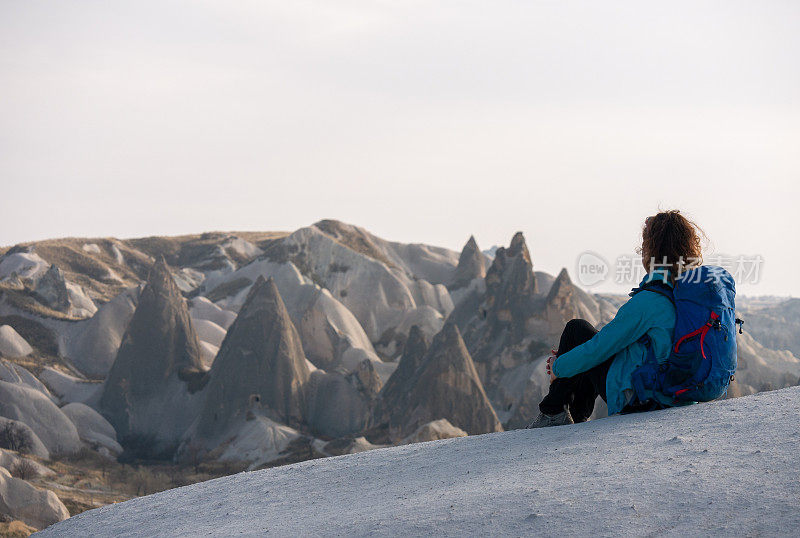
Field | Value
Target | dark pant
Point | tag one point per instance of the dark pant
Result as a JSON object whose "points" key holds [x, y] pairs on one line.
{"points": [[580, 391]]}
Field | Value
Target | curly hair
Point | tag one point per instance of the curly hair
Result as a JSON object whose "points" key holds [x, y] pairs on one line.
{"points": [[671, 240]]}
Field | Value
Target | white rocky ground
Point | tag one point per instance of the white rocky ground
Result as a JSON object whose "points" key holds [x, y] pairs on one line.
{"points": [[728, 467]]}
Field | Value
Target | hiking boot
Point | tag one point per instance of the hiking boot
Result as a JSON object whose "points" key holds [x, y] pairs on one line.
{"points": [[561, 419]]}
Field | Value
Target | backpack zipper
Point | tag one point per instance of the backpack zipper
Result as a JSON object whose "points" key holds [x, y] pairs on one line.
{"points": [[702, 331]]}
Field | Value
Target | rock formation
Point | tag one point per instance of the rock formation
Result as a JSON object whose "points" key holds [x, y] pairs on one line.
{"points": [[395, 393], [331, 335], [348, 445], [67, 388], [14, 373], [92, 345], [378, 281], [147, 394], [93, 429], [20, 500], [367, 380], [257, 441], [498, 325], [202, 308], [511, 289], [566, 301], [12, 345], [426, 262], [508, 304], [51, 290], [776, 326], [29, 406], [208, 331], [340, 403], [434, 431], [9, 460], [16, 435], [561, 296], [260, 370], [760, 368], [446, 385], [471, 265]]}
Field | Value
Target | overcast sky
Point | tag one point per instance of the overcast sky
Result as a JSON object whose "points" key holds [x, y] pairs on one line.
{"points": [[420, 121]]}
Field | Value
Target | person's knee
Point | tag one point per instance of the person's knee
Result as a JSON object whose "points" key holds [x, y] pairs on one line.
{"points": [[578, 324], [577, 331]]}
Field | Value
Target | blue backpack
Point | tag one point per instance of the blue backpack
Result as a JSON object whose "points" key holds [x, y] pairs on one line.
{"points": [[702, 361]]}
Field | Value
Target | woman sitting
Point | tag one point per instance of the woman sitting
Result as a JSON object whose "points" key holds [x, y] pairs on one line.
{"points": [[591, 363]]}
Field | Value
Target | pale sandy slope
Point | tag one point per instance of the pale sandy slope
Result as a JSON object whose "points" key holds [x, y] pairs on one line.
{"points": [[730, 467]]}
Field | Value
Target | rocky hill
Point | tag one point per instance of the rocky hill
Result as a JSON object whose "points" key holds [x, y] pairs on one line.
{"points": [[260, 373], [150, 387], [713, 469], [441, 382]]}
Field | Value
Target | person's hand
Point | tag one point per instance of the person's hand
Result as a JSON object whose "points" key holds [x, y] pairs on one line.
{"points": [[549, 365]]}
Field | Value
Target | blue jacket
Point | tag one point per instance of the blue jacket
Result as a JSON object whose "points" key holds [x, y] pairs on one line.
{"points": [[644, 313]]}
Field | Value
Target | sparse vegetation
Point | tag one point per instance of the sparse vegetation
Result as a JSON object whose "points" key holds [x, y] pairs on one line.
{"points": [[13, 437], [146, 481], [69, 257], [24, 300], [187, 250], [89, 270], [158, 246], [14, 529], [88, 480], [37, 335], [24, 469]]}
